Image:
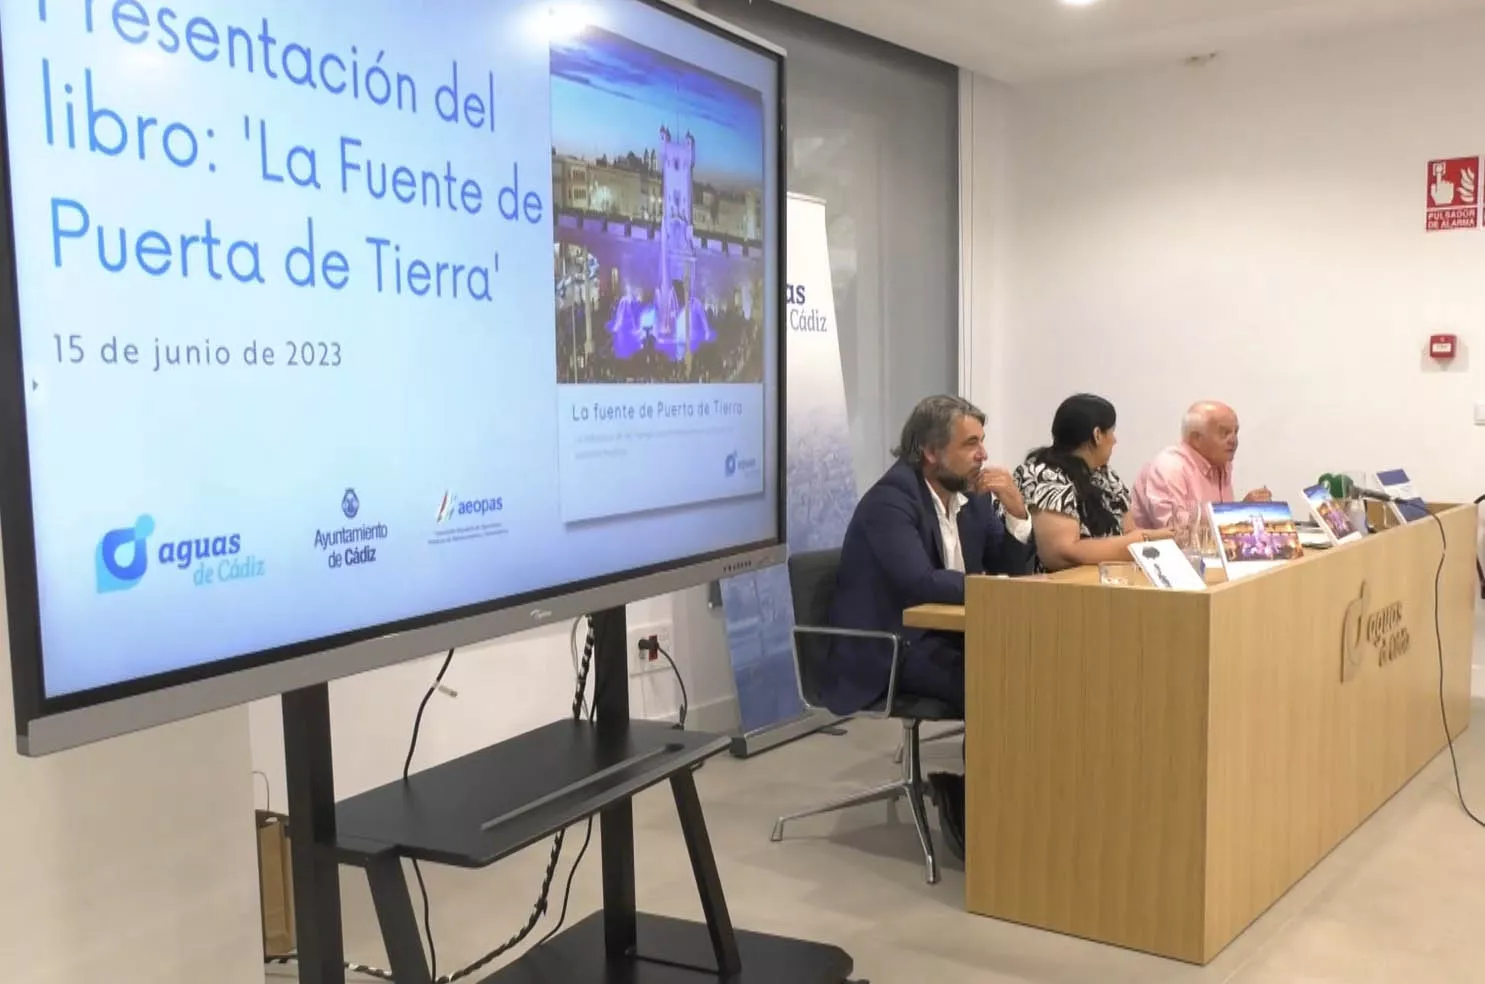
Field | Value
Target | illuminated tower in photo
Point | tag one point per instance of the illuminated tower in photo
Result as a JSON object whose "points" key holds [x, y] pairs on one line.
{"points": [[677, 237]]}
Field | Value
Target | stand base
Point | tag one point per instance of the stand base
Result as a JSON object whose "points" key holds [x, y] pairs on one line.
{"points": [[810, 722], [673, 951]]}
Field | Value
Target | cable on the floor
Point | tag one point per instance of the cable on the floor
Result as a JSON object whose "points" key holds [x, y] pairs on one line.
{"points": [[1438, 639], [591, 711], [567, 890], [543, 899], [588, 834], [580, 706], [267, 791], [653, 645], [577, 670], [354, 968], [680, 682], [412, 746]]}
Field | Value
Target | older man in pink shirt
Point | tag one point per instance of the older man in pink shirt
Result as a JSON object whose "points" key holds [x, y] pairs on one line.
{"points": [[1198, 470]]}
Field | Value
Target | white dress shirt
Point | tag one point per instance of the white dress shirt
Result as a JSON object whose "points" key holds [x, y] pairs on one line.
{"points": [[1015, 525], [948, 527]]}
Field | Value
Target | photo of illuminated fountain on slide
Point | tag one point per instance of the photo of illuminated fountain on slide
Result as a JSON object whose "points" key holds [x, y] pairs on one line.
{"points": [[657, 186]]}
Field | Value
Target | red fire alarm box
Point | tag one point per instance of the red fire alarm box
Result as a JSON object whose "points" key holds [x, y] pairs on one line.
{"points": [[1442, 348]]}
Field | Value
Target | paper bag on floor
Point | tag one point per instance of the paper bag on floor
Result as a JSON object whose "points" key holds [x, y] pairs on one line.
{"points": [[276, 880]]}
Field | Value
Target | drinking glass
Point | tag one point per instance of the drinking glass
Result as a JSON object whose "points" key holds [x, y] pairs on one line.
{"points": [[1192, 533]]}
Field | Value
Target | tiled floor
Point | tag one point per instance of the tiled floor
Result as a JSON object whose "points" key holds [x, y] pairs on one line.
{"points": [[1403, 900]]}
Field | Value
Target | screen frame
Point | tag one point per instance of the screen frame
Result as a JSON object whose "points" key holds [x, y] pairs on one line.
{"points": [[50, 724]]}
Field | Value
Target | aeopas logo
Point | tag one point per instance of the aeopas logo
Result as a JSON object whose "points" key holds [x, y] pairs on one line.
{"points": [[460, 519], [122, 557], [452, 507]]}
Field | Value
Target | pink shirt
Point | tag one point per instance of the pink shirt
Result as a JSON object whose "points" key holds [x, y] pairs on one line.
{"points": [[1173, 478]]}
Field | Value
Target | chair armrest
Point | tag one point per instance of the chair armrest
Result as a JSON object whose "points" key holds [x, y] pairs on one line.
{"points": [[897, 654]]}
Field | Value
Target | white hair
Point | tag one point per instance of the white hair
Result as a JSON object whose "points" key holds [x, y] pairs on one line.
{"points": [[1191, 422], [1196, 418]]}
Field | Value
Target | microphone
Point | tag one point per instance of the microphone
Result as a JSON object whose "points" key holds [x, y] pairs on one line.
{"points": [[1364, 493]]}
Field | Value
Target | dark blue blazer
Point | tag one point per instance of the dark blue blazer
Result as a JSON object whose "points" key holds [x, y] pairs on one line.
{"points": [[893, 558]]}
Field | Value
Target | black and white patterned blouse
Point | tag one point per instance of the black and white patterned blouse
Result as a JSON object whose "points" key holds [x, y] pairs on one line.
{"points": [[1048, 488]]}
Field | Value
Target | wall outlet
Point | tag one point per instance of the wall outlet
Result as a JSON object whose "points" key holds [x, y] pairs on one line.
{"points": [[640, 662], [1480, 414]]}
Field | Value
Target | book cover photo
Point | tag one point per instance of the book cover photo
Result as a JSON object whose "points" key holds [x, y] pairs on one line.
{"points": [[1166, 566], [1332, 518], [1254, 536]]}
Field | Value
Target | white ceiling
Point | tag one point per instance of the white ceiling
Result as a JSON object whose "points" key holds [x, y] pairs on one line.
{"points": [[1023, 40]]}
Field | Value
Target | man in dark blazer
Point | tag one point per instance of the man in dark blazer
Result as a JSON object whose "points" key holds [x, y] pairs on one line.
{"points": [[938, 514]]}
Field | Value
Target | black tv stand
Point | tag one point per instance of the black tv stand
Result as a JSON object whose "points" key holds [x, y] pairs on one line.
{"points": [[482, 807]]}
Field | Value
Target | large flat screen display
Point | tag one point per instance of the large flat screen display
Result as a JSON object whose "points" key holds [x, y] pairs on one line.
{"points": [[330, 322]]}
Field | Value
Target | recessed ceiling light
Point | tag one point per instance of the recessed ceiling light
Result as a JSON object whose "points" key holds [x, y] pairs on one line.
{"points": [[1079, 3]]}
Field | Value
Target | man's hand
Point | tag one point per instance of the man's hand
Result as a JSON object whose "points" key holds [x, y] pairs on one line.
{"points": [[1259, 495], [999, 483]]}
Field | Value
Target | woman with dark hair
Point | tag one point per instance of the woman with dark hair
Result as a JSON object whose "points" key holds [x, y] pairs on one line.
{"points": [[1079, 506]]}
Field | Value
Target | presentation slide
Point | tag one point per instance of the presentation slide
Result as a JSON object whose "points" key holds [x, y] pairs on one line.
{"points": [[337, 314], [659, 341]]}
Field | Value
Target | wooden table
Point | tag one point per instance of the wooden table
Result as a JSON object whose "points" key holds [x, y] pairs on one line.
{"points": [[1153, 769]]}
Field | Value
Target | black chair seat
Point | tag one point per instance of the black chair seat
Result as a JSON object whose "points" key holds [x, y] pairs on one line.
{"points": [[919, 708], [812, 578]]}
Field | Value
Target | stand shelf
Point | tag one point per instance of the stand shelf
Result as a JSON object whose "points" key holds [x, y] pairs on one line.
{"points": [[477, 809], [485, 806]]}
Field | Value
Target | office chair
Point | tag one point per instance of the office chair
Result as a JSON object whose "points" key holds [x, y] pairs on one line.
{"points": [[957, 731], [812, 586]]}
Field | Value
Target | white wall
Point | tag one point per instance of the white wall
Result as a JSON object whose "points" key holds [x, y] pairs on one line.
{"points": [[985, 229], [131, 861], [505, 688], [1250, 230]]}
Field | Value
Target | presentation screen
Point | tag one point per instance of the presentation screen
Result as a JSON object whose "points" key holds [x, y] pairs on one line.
{"points": [[331, 321]]}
